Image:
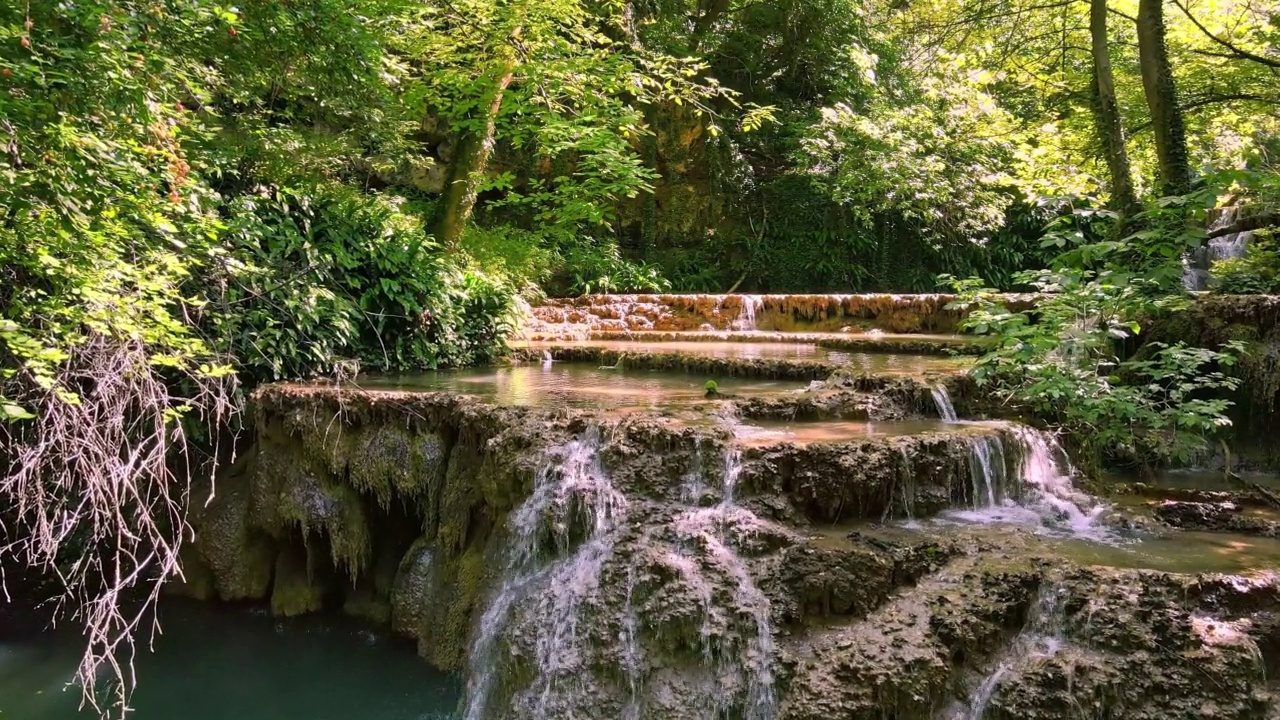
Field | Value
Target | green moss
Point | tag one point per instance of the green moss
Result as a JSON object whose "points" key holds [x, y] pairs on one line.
{"points": [[293, 592], [444, 640], [334, 511], [396, 463]]}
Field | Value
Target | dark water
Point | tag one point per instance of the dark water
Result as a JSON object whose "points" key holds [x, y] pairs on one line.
{"points": [[219, 663]]}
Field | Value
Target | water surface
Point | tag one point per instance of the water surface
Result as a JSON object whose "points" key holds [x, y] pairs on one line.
{"points": [[764, 432], [869, 362], [580, 385], [223, 663]]}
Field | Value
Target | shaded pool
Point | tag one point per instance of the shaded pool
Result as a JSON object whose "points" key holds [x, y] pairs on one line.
{"points": [[218, 662]]}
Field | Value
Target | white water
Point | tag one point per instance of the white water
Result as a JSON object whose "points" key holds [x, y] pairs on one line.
{"points": [[942, 399], [1041, 637], [751, 304], [711, 529], [1040, 495], [1198, 263], [570, 489], [987, 471]]}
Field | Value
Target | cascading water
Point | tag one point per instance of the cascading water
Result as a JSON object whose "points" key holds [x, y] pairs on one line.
{"points": [[572, 496], [987, 471], [1198, 263], [710, 529], [751, 304], [1040, 493], [1041, 637], [942, 399]]}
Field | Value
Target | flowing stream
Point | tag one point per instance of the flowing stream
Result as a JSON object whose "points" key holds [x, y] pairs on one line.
{"points": [[1041, 637], [572, 494]]}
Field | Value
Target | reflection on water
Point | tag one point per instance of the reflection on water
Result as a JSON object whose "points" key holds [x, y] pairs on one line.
{"points": [[761, 433], [579, 385], [1180, 552], [1173, 551], [216, 663], [895, 363]]}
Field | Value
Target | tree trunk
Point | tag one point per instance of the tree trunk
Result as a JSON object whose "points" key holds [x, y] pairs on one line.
{"points": [[1106, 114], [1166, 116], [470, 163]]}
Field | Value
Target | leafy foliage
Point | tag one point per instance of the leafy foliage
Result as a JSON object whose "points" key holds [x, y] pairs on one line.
{"points": [[1069, 367], [317, 276]]}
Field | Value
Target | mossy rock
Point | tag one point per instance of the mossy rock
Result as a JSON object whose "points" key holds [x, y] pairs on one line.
{"points": [[294, 592], [452, 611], [239, 559]]}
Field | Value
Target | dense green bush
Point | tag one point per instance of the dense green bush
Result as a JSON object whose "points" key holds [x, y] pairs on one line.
{"points": [[1067, 366], [317, 276]]}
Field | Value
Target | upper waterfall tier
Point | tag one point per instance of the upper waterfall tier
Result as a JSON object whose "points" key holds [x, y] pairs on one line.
{"points": [[779, 313]]}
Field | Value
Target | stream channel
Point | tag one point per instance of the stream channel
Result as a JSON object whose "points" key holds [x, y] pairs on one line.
{"points": [[588, 532]]}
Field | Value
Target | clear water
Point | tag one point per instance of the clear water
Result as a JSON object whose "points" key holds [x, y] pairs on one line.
{"points": [[219, 662], [579, 385], [879, 363], [759, 433]]}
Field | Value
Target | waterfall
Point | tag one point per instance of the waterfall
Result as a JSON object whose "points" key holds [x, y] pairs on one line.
{"points": [[571, 492], [1047, 471], [1041, 637], [987, 470], [709, 528], [751, 304], [942, 399], [1039, 493], [1198, 263]]}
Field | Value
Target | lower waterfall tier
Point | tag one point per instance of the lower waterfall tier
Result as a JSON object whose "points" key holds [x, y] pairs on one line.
{"points": [[570, 564]]}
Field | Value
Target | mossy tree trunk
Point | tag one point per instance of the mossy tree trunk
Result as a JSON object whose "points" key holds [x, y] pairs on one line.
{"points": [[1162, 99], [1106, 113], [475, 147]]}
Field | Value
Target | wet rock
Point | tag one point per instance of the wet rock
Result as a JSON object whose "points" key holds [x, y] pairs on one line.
{"points": [[294, 591], [1215, 516], [900, 660], [239, 557], [1144, 645]]}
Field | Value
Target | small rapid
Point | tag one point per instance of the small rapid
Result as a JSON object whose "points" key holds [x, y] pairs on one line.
{"points": [[1041, 637], [1023, 476], [572, 496]]}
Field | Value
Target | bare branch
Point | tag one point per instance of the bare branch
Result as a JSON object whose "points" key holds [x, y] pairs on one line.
{"points": [[96, 493]]}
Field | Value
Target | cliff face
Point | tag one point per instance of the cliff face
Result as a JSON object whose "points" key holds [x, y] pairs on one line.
{"points": [[569, 564]]}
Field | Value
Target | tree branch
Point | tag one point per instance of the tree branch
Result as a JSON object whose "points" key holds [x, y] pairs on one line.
{"points": [[1236, 52]]}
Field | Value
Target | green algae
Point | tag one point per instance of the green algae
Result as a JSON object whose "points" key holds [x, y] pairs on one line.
{"points": [[293, 591]]}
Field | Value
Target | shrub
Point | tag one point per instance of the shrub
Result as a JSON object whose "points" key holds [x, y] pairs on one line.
{"points": [[316, 277]]}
